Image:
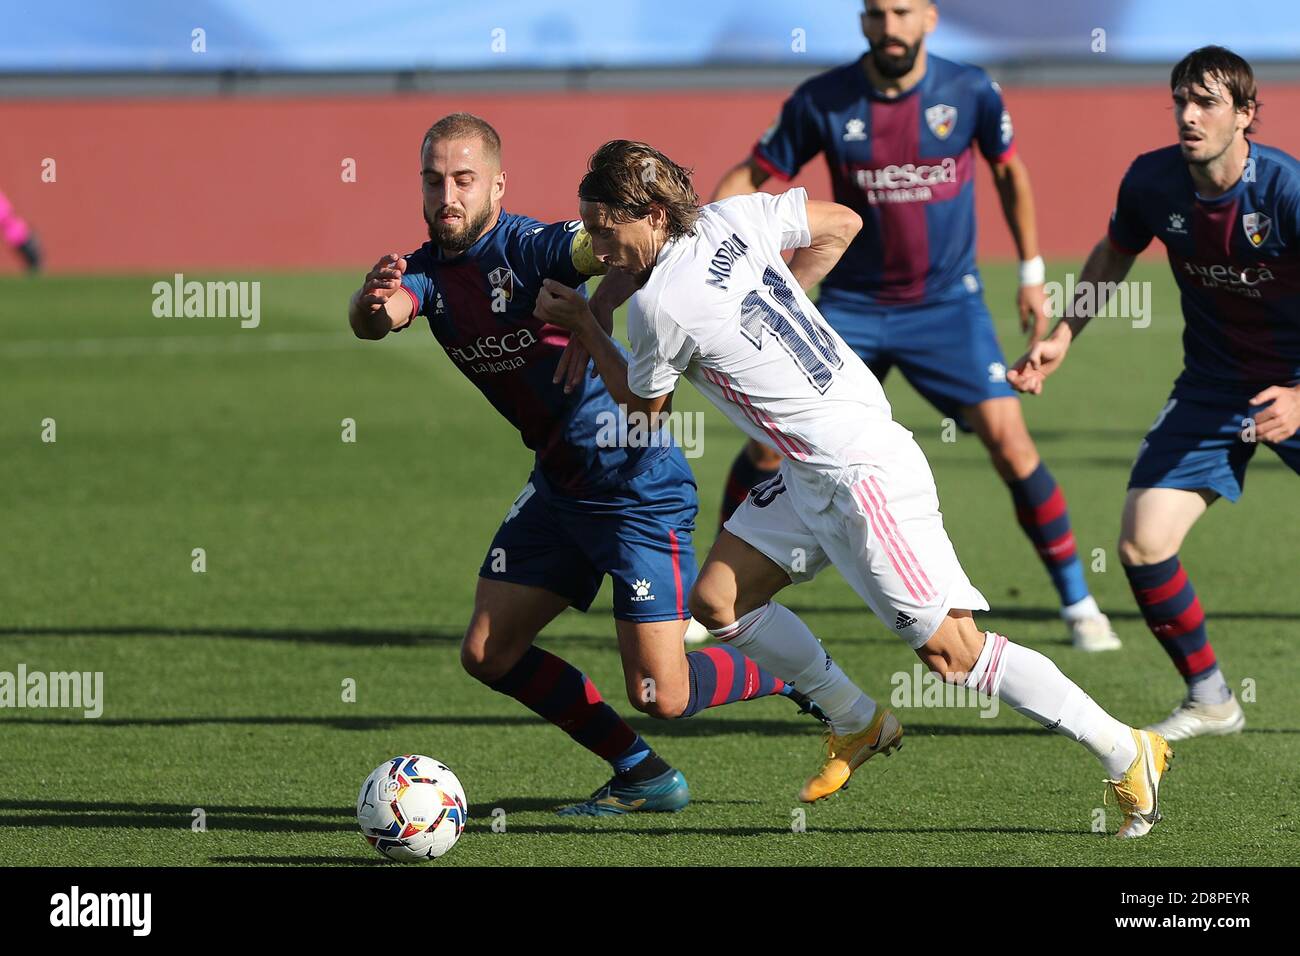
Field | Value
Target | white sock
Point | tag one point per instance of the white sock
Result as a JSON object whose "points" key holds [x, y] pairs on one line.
{"points": [[1035, 687], [782, 644], [1081, 610]]}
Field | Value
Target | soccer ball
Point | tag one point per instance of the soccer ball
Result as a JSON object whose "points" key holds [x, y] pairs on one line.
{"points": [[412, 808]]}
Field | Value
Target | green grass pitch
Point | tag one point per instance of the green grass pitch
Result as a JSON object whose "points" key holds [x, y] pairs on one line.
{"points": [[329, 561]]}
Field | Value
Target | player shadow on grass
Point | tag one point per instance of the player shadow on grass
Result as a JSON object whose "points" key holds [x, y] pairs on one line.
{"points": [[372, 860], [168, 816], [359, 636], [480, 811]]}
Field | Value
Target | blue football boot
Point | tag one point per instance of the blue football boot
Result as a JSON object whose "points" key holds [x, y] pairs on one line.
{"points": [[666, 793]]}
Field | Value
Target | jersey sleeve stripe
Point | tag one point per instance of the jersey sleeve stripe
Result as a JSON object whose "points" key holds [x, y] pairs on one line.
{"points": [[799, 449], [767, 165], [788, 446], [1006, 154], [730, 396], [415, 305], [796, 447]]}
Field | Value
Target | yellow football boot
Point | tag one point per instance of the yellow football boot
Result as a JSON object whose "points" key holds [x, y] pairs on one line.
{"points": [[1137, 793], [844, 754]]}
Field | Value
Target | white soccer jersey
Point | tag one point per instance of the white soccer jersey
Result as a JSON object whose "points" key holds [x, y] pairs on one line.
{"points": [[854, 490], [722, 308]]}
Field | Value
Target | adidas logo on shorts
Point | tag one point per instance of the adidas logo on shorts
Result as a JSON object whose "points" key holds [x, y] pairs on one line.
{"points": [[903, 621]]}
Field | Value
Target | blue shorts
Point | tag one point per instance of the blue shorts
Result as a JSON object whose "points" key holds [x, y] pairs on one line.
{"points": [[947, 350], [639, 534], [1197, 443]]}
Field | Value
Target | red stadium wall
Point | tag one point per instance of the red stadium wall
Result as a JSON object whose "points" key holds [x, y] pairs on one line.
{"points": [[156, 185]]}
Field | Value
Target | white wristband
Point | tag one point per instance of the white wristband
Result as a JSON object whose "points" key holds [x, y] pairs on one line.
{"points": [[1033, 271]]}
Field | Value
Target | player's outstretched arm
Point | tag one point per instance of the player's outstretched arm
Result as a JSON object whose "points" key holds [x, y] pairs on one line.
{"points": [[562, 306], [375, 309], [832, 228], [740, 180], [1011, 177], [1105, 265]]}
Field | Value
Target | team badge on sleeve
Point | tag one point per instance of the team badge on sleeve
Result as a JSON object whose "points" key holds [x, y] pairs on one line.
{"points": [[1257, 227], [941, 118]]}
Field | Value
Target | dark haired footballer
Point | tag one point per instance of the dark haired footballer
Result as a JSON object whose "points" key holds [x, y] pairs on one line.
{"points": [[1228, 212]]}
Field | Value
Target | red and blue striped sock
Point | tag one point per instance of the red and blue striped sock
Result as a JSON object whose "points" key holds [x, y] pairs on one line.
{"points": [[1041, 510], [1173, 612], [721, 675], [557, 691], [742, 478]]}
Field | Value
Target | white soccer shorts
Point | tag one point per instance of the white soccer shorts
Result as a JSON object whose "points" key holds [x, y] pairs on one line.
{"points": [[878, 523]]}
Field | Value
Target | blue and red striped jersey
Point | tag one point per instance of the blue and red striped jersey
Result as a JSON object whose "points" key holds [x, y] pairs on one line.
{"points": [[905, 164], [480, 308], [1236, 259]]}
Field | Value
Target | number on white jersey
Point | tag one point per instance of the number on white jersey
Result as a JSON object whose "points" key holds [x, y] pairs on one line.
{"points": [[814, 351]]}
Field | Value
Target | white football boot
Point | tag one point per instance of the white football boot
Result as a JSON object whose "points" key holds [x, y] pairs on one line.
{"points": [[1191, 719], [1093, 634]]}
